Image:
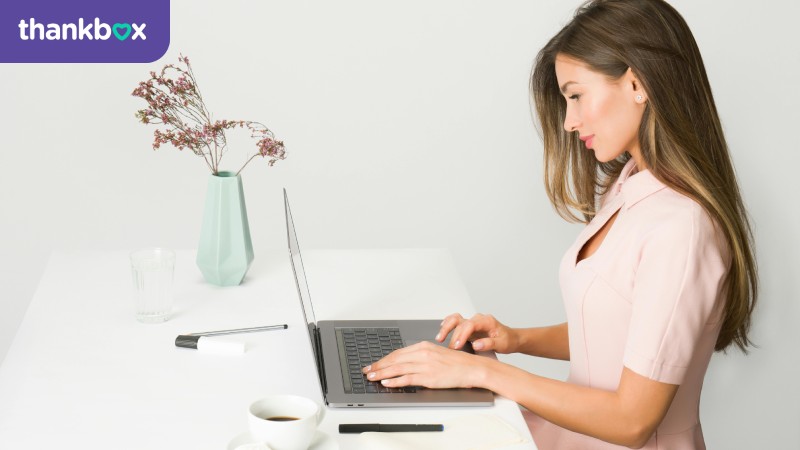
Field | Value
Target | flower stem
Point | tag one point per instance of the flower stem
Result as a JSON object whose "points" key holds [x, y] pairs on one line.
{"points": [[246, 163]]}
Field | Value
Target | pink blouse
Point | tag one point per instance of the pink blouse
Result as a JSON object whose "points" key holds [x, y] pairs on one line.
{"points": [[648, 299]]}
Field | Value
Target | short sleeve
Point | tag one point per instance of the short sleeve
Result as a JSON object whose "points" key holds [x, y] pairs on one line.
{"points": [[676, 289]]}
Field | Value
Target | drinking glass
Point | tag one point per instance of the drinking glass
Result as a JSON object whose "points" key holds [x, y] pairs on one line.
{"points": [[153, 270]]}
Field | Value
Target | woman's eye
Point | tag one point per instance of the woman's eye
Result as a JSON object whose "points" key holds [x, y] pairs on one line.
{"points": [[574, 96]]}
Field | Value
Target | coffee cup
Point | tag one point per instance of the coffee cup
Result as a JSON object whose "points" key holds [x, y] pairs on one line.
{"points": [[284, 422]]}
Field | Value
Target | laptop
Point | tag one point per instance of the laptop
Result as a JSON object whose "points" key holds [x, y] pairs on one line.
{"points": [[343, 347]]}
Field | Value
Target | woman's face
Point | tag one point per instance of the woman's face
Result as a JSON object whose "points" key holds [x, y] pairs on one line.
{"points": [[605, 113]]}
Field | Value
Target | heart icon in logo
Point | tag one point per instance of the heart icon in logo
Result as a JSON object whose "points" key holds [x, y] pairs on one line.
{"points": [[121, 26]]}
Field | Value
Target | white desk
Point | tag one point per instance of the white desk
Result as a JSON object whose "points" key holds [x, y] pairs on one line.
{"points": [[82, 373]]}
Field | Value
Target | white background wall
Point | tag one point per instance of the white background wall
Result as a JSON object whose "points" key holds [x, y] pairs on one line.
{"points": [[407, 124]]}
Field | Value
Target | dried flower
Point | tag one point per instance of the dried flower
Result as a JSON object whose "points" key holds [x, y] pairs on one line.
{"points": [[175, 102]]}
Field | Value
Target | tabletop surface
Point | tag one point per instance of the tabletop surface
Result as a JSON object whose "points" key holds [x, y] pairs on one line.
{"points": [[83, 373]]}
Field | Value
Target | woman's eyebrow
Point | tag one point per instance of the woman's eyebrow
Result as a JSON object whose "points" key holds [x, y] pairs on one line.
{"points": [[565, 85]]}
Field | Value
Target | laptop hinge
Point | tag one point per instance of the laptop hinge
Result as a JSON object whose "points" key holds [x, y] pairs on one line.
{"points": [[320, 361]]}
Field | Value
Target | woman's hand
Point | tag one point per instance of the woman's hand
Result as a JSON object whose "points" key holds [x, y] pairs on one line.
{"points": [[429, 365], [484, 331]]}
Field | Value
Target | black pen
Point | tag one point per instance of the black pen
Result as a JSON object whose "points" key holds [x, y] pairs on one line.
{"points": [[388, 428]]}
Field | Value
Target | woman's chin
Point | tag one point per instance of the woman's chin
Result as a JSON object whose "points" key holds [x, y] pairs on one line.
{"points": [[604, 157]]}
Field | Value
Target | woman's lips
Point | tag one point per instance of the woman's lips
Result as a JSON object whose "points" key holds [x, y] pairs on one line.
{"points": [[587, 140]]}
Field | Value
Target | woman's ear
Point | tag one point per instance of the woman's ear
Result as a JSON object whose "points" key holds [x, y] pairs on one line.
{"points": [[637, 91]]}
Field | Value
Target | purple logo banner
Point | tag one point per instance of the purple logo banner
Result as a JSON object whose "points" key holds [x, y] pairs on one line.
{"points": [[83, 31]]}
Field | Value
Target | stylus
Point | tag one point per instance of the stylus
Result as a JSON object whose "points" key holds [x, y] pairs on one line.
{"points": [[241, 330]]}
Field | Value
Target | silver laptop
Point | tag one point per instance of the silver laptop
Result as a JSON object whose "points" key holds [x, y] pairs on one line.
{"points": [[343, 347]]}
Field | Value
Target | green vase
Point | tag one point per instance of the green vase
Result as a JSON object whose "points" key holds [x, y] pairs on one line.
{"points": [[225, 250]]}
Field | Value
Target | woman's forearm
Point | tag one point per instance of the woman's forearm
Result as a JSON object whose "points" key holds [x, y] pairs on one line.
{"points": [[627, 416], [546, 342]]}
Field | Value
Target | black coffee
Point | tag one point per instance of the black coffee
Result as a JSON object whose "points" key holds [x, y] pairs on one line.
{"points": [[282, 418]]}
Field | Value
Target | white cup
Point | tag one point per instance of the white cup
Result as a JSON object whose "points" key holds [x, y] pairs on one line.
{"points": [[284, 422]]}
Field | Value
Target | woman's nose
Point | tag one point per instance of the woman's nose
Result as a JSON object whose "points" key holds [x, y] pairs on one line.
{"points": [[571, 121]]}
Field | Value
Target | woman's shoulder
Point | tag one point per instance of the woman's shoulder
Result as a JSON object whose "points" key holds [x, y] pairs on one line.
{"points": [[671, 213]]}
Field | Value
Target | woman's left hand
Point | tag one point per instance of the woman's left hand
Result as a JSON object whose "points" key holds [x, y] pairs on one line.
{"points": [[429, 365]]}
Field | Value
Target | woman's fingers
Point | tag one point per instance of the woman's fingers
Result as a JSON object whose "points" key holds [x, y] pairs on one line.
{"points": [[448, 324], [399, 356], [401, 381], [462, 329], [400, 362], [426, 364], [477, 327], [391, 372], [423, 364], [462, 333], [482, 345]]}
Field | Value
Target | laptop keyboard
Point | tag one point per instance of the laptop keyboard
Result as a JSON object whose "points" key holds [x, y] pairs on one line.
{"points": [[362, 347]]}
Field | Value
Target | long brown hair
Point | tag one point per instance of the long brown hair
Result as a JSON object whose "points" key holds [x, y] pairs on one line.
{"points": [[681, 138]]}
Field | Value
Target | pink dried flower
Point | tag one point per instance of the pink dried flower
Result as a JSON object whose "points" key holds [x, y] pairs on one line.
{"points": [[174, 101]]}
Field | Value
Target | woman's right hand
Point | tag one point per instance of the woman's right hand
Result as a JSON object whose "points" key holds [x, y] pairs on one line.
{"points": [[484, 331]]}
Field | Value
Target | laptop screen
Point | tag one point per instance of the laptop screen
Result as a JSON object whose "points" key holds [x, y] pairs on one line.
{"points": [[300, 276]]}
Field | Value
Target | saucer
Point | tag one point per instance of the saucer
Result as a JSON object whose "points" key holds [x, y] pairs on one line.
{"points": [[321, 441]]}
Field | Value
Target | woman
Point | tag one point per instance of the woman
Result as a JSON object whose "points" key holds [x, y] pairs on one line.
{"points": [[663, 274]]}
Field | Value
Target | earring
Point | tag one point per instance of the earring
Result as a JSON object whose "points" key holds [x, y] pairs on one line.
{"points": [[639, 98]]}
